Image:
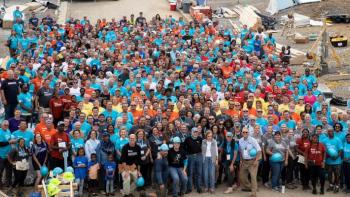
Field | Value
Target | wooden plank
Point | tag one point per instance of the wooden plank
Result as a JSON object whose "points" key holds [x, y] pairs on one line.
{"points": [[2, 194]]}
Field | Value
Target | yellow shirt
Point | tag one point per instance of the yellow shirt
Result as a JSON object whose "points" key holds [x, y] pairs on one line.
{"points": [[117, 108], [299, 108], [87, 108], [283, 107], [223, 104]]}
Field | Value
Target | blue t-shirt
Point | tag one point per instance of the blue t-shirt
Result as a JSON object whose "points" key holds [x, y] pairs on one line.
{"points": [[110, 167], [5, 136], [346, 150], [80, 172], [27, 135], [77, 143], [290, 124], [26, 100], [336, 144]]}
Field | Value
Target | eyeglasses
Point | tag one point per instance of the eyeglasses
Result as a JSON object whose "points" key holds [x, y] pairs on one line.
{"points": [[245, 132]]}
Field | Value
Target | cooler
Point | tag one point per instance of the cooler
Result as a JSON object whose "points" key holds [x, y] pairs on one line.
{"points": [[173, 6]]}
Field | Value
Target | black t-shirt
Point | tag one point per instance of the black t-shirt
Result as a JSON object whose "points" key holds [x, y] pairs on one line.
{"points": [[44, 96], [11, 90], [131, 155], [140, 20], [34, 21], [176, 158], [193, 146]]}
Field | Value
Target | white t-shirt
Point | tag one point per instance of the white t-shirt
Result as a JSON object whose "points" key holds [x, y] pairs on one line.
{"points": [[74, 91], [208, 152]]}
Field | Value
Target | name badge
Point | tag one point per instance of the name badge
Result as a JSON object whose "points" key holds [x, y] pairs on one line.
{"points": [[142, 152], [245, 154], [228, 157]]}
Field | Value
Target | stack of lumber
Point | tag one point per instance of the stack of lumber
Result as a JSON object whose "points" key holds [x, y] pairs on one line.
{"points": [[248, 16], [25, 8]]}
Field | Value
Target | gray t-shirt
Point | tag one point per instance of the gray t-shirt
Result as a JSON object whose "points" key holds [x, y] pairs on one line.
{"points": [[291, 142], [278, 147]]}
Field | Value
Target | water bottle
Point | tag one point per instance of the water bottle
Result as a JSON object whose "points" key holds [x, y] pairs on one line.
{"points": [[283, 190]]}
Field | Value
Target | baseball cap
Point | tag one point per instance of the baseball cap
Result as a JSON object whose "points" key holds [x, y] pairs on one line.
{"points": [[60, 123], [176, 140], [105, 134], [229, 134], [164, 147]]}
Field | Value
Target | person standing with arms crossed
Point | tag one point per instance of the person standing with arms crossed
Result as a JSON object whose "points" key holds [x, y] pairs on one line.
{"points": [[249, 164]]}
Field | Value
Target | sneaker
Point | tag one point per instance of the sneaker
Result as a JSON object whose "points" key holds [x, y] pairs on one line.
{"points": [[234, 187], [336, 189], [331, 188], [228, 190], [211, 191], [314, 191], [276, 189], [267, 185]]}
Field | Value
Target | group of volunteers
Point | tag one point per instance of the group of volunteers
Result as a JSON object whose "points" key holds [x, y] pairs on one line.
{"points": [[187, 106]]}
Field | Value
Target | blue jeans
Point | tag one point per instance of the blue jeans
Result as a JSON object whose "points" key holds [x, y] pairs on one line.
{"points": [[178, 177], [209, 173], [161, 171], [195, 170], [276, 169], [109, 186]]}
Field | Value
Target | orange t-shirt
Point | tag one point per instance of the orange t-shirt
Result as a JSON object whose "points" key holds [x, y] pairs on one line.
{"points": [[231, 112], [136, 114], [41, 127], [136, 94], [226, 71], [37, 83], [47, 134]]}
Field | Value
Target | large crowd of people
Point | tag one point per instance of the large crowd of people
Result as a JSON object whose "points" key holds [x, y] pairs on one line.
{"points": [[187, 106]]}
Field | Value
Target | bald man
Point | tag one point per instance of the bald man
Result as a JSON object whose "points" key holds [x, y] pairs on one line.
{"points": [[130, 167], [9, 92]]}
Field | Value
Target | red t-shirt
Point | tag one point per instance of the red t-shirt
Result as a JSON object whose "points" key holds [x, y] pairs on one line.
{"points": [[303, 145], [56, 106], [316, 153], [55, 140], [66, 99]]}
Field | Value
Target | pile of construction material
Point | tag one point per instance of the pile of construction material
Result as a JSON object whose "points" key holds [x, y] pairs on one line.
{"points": [[36, 7]]}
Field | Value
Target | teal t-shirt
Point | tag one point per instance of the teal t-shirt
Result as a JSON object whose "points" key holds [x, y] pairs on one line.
{"points": [[336, 144], [27, 135], [346, 150], [77, 143], [26, 100], [5, 136]]}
